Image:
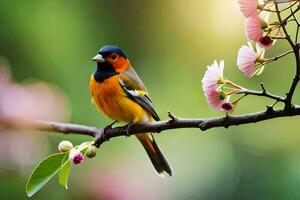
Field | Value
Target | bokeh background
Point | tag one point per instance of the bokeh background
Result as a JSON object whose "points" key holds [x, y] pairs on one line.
{"points": [[170, 43]]}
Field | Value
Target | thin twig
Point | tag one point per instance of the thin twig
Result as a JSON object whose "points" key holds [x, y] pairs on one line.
{"points": [[296, 1], [298, 25], [261, 93], [290, 15], [288, 38], [268, 60]]}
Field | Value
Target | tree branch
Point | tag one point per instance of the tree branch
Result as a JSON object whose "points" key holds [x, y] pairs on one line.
{"points": [[283, 23], [295, 47], [104, 134], [202, 124], [263, 93], [40, 125]]}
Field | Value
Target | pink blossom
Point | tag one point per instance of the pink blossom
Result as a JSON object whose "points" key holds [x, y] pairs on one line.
{"points": [[20, 103], [254, 28], [217, 89], [246, 60], [29, 101], [265, 42], [248, 7], [213, 76], [76, 157]]}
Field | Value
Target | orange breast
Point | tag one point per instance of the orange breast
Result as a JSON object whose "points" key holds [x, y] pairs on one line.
{"points": [[110, 99]]}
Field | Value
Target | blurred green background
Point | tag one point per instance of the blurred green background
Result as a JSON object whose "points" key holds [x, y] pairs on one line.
{"points": [[169, 43]]}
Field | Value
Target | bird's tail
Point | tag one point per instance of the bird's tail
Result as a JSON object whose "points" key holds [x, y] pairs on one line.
{"points": [[157, 158]]}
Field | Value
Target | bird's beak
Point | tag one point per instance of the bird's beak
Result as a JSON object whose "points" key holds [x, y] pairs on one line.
{"points": [[98, 58]]}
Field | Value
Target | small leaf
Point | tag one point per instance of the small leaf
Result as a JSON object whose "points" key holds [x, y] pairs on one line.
{"points": [[44, 171], [64, 174]]}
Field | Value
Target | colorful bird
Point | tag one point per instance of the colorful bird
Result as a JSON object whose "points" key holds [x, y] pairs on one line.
{"points": [[118, 92]]}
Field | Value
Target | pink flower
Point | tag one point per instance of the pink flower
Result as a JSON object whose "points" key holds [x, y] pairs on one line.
{"points": [[248, 7], [254, 28], [212, 77], [217, 89], [246, 60], [76, 157], [265, 42]]}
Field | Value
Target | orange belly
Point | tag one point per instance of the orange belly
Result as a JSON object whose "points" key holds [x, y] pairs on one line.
{"points": [[110, 99]]}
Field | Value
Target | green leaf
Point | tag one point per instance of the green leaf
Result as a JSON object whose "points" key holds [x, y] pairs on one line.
{"points": [[45, 170], [64, 174]]}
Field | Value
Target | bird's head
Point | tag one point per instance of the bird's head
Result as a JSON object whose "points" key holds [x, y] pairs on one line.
{"points": [[112, 57]]}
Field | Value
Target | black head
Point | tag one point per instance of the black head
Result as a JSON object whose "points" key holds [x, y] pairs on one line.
{"points": [[108, 49], [110, 60]]}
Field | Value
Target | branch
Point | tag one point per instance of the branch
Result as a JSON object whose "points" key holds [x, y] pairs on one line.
{"points": [[104, 134], [292, 13], [263, 93], [202, 124], [40, 125], [283, 23], [295, 47], [267, 61], [296, 1]]}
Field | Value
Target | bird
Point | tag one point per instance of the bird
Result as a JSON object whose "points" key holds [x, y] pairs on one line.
{"points": [[118, 92]]}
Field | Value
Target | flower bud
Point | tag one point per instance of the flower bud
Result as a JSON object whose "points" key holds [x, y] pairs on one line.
{"points": [[266, 42], [228, 107], [76, 157], [91, 151], [65, 146]]}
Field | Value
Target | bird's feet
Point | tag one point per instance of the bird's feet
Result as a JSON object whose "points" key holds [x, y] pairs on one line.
{"points": [[128, 127], [109, 126], [105, 129]]}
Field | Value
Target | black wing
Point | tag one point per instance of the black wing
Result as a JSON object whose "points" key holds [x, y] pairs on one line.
{"points": [[135, 90]]}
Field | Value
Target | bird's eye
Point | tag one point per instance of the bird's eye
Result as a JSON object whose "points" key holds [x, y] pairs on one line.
{"points": [[114, 57]]}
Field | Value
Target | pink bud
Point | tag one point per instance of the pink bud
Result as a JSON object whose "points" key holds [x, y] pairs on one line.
{"points": [[265, 42], [76, 157], [228, 107]]}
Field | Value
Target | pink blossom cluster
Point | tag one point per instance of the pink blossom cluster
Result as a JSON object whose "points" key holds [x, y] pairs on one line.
{"points": [[250, 60], [257, 28], [218, 90]]}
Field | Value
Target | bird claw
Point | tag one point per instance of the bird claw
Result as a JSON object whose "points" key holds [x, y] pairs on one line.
{"points": [[128, 128], [109, 126], [105, 129]]}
